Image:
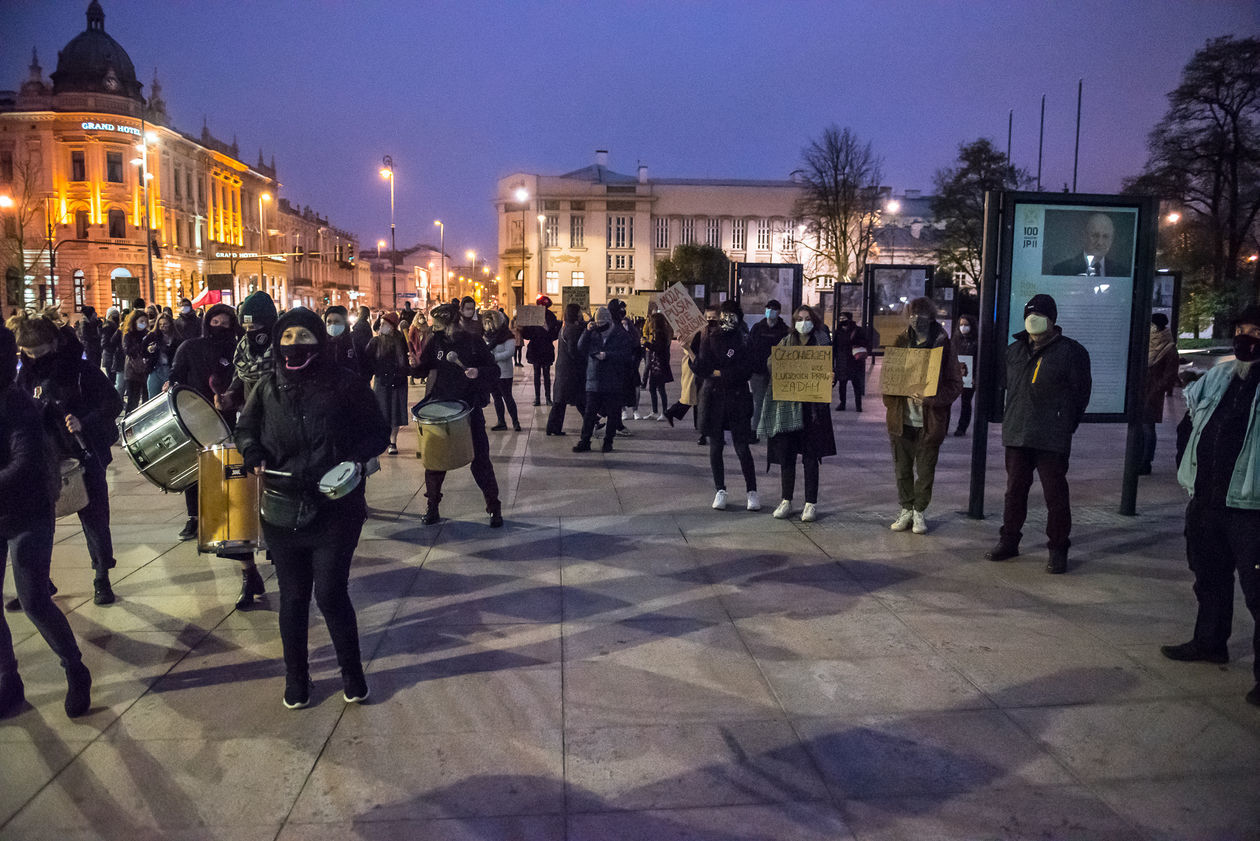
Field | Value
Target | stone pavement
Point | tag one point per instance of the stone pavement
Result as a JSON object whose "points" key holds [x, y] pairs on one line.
{"points": [[623, 662]]}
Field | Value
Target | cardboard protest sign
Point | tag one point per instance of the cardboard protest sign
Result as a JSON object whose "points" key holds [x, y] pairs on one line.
{"points": [[910, 370], [580, 295], [637, 305], [801, 373], [681, 311], [531, 315], [967, 366]]}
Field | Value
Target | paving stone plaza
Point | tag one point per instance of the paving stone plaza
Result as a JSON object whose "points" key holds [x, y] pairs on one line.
{"points": [[622, 662]]}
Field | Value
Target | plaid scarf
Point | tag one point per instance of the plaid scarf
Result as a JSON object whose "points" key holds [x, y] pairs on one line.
{"points": [[250, 366]]}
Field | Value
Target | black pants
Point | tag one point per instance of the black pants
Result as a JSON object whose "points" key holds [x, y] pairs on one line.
{"points": [[31, 551], [137, 392], [914, 468], [94, 517], [793, 445], [964, 409], [542, 377], [482, 468], [1149, 439], [608, 405], [1052, 468], [654, 389], [717, 464], [503, 397], [555, 418], [1218, 541], [859, 386], [318, 559]]}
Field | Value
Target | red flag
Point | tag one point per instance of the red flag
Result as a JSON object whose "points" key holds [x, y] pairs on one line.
{"points": [[206, 298]]}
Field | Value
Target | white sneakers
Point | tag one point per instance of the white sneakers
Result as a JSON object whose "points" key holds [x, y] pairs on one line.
{"points": [[903, 520], [783, 510], [661, 417], [754, 501], [625, 414], [920, 523], [719, 501], [810, 513], [650, 416]]}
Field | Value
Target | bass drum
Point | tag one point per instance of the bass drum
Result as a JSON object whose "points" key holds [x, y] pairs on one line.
{"points": [[163, 436], [445, 438], [227, 503]]}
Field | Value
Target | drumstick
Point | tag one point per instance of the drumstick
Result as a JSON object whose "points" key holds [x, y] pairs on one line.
{"points": [[277, 472]]}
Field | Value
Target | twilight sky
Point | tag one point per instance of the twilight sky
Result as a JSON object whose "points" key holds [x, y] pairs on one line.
{"points": [[461, 93]]}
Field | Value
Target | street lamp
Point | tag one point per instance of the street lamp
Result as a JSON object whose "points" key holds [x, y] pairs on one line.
{"points": [[145, 175], [522, 196], [262, 239], [892, 207], [472, 258], [387, 171], [442, 248]]}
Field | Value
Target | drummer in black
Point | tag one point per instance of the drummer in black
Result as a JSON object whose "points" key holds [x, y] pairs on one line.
{"points": [[204, 364], [301, 420], [459, 366]]}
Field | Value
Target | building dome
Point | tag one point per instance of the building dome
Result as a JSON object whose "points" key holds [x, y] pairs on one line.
{"points": [[93, 62]]}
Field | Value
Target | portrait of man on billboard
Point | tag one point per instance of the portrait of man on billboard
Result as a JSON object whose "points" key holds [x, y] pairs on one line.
{"points": [[1088, 243]]}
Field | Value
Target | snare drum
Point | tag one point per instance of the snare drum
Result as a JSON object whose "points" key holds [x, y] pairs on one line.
{"points": [[341, 480], [445, 438], [163, 436], [227, 503]]}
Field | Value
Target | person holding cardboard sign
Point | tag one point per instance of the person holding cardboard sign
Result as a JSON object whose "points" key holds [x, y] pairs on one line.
{"points": [[918, 422], [798, 427]]}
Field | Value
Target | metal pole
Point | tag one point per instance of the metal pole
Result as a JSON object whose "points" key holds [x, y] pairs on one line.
{"points": [[1010, 124], [1076, 155], [990, 353], [262, 246], [1041, 139], [148, 228]]}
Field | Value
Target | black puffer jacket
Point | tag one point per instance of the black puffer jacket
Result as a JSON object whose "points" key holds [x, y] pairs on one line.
{"points": [[1047, 390], [25, 464], [205, 364], [725, 362], [446, 380], [541, 349], [67, 384]]}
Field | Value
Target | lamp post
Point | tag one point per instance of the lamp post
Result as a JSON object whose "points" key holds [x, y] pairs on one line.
{"points": [[145, 175], [892, 207], [472, 270], [262, 240], [387, 171], [522, 196], [442, 248]]}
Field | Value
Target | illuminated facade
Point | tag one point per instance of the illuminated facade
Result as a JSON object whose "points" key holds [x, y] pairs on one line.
{"points": [[599, 228], [77, 210], [418, 274]]}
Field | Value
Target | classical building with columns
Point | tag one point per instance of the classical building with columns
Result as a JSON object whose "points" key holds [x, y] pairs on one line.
{"points": [[102, 200], [600, 228]]}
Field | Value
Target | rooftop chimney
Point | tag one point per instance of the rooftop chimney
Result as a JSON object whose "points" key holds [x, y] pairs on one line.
{"points": [[601, 157], [642, 173]]}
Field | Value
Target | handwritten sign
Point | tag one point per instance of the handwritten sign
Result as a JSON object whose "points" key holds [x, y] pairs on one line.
{"points": [[966, 364], [531, 315], [681, 311], [910, 370], [580, 295], [801, 373], [637, 305]]}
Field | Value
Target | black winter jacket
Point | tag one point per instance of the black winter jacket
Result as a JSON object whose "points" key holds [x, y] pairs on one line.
{"points": [[541, 349], [25, 464], [570, 375], [608, 375], [205, 364], [1047, 390], [725, 362], [309, 425], [763, 337], [67, 384], [447, 380]]}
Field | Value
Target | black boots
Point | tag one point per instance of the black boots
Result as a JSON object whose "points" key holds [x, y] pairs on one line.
{"points": [[354, 688], [78, 690], [102, 591], [189, 530], [1002, 552], [12, 695], [1192, 652], [297, 691], [495, 510], [251, 586], [431, 516]]}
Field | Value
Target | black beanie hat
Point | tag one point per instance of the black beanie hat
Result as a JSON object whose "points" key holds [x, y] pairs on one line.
{"points": [[1042, 305], [300, 317], [1249, 315], [259, 306]]}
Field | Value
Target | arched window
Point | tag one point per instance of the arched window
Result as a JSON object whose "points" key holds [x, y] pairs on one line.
{"points": [[117, 224], [78, 290]]}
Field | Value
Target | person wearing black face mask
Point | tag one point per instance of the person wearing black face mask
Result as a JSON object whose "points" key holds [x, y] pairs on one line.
{"points": [[609, 354], [301, 420], [253, 356], [849, 348], [1218, 469], [27, 485], [725, 362]]}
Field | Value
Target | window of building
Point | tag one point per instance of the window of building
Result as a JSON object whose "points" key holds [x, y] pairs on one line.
{"points": [[763, 234], [738, 229], [621, 262], [577, 231], [80, 224], [552, 230], [78, 290], [577, 205], [177, 179], [660, 240], [553, 283], [10, 226], [117, 224], [789, 237], [687, 236], [6, 165], [78, 165], [713, 233], [578, 279], [514, 233], [621, 232], [551, 204], [114, 167]]}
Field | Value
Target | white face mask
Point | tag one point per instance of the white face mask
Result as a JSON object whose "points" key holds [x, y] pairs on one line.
{"points": [[1036, 324], [964, 328], [185, 310], [803, 327], [142, 325], [336, 330]]}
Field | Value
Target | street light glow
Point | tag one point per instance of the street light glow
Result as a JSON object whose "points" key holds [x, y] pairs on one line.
{"points": [[385, 173], [265, 197], [521, 194], [1174, 217], [893, 206], [6, 201]]}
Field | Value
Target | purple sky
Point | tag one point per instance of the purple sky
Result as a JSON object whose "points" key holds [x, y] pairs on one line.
{"points": [[462, 93]]}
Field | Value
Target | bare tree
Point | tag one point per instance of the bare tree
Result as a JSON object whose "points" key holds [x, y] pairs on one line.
{"points": [[840, 202], [22, 244]]}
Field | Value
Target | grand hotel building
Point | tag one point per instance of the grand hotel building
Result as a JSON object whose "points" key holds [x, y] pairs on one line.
{"points": [[77, 223]]}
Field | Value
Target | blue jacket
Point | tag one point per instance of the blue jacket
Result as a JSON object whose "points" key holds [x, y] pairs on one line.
{"points": [[1202, 397]]}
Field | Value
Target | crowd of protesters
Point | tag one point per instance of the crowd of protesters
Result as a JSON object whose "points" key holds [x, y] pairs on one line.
{"points": [[304, 391]]}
